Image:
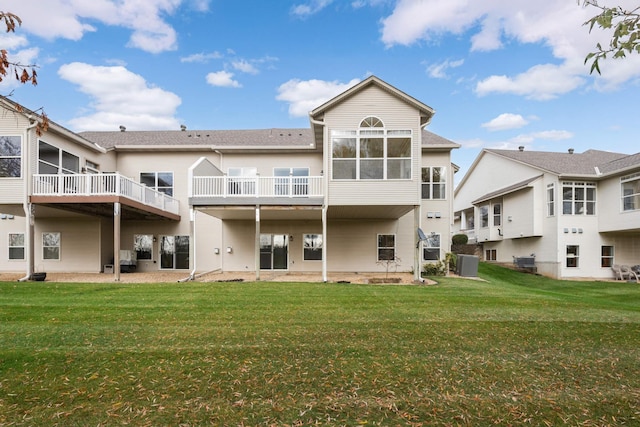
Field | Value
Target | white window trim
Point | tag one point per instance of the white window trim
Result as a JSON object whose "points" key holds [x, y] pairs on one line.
{"points": [[378, 247], [9, 247], [568, 256], [59, 246], [635, 196], [19, 157], [367, 132], [585, 201], [321, 246], [432, 184], [425, 246]]}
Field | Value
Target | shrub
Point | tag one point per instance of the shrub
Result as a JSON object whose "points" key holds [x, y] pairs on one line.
{"points": [[451, 259], [459, 239], [434, 269]]}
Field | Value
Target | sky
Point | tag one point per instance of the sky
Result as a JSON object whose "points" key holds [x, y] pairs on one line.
{"points": [[499, 73]]}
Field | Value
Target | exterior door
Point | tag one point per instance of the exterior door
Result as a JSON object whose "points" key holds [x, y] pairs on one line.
{"points": [[174, 252], [274, 251]]}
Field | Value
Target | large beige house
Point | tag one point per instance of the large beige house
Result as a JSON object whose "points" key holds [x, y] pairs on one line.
{"points": [[347, 194], [577, 214]]}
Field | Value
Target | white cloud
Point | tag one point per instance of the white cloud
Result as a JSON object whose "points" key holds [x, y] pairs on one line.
{"points": [[222, 79], [244, 66], [505, 121], [439, 71], [305, 95], [201, 57], [310, 8], [557, 25], [71, 19], [540, 82], [11, 41], [120, 97]]}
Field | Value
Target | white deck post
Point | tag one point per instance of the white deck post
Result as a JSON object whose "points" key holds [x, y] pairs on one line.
{"points": [[257, 243], [116, 241], [416, 258], [324, 244]]}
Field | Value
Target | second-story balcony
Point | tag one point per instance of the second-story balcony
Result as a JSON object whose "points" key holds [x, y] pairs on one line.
{"points": [[87, 192], [246, 190]]}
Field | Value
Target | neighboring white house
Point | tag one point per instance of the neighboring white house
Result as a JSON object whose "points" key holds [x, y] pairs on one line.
{"points": [[344, 195], [577, 213]]}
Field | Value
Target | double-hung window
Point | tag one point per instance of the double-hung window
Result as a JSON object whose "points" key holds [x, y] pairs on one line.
{"points": [[497, 214], [434, 183], [630, 188], [143, 246], [484, 216], [551, 199], [312, 247], [386, 247], [10, 157], [371, 152], [159, 181], [578, 198], [573, 256], [431, 247], [606, 258], [51, 246], [16, 245]]}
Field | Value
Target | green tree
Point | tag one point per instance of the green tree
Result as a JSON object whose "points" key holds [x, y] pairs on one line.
{"points": [[626, 32]]}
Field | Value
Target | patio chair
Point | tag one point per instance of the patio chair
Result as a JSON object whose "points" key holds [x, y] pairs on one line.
{"points": [[627, 273], [617, 271]]}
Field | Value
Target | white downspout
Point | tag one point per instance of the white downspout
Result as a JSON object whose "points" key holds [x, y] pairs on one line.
{"points": [[26, 205], [195, 246]]}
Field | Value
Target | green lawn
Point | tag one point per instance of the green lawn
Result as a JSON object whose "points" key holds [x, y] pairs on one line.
{"points": [[514, 349]]}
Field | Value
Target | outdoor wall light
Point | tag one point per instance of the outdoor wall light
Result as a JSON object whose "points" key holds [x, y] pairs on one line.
{"points": [[216, 251], [229, 249], [155, 239]]}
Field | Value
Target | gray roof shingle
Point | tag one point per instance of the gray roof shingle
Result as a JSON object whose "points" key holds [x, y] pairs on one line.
{"points": [[573, 163], [267, 138]]}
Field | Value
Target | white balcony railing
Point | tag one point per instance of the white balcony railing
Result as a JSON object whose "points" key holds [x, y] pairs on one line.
{"points": [[257, 186], [102, 184]]}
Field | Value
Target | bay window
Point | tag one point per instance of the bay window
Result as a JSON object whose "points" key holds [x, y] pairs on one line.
{"points": [[578, 198]]}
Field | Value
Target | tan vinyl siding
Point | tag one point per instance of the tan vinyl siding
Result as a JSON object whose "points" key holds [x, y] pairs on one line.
{"points": [[79, 245], [12, 189], [396, 115]]}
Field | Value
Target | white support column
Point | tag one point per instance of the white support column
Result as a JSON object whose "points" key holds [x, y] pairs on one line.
{"points": [[116, 241], [324, 244], [416, 259], [257, 243]]}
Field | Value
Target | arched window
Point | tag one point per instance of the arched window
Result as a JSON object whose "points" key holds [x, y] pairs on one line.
{"points": [[371, 122]]}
